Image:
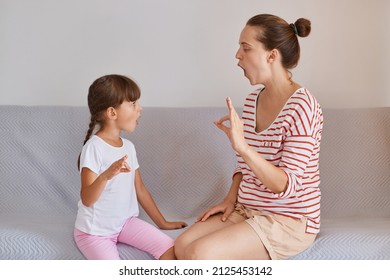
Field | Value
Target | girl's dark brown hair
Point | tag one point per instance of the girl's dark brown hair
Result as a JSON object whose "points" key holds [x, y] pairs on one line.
{"points": [[275, 33], [105, 92]]}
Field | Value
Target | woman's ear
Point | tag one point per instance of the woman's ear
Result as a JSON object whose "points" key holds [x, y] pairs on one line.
{"points": [[273, 54], [111, 113]]}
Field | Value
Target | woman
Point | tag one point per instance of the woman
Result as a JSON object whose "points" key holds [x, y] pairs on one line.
{"points": [[272, 210]]}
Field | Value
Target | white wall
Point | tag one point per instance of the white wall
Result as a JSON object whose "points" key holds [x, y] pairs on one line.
{"points": [[181, 52]]}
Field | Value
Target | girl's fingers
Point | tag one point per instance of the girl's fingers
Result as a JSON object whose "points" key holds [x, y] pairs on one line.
{"points": [[123, 159], [125, 167]]}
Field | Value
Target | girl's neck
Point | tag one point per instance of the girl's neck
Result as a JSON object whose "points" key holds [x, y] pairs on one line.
{"points": [[112, 138]]}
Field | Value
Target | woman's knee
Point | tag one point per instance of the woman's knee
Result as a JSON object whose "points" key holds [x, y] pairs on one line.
{"points": [[181, 243], [186, 248], [197, 250]]}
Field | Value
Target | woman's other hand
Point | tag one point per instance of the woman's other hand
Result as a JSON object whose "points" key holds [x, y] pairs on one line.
{"points": [[226, 208]]}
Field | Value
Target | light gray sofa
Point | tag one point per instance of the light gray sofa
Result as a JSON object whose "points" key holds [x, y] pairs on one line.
{"points": [[186, 163]]}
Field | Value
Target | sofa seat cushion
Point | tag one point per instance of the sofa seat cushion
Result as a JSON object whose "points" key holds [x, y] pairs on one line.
{"points": [[351, 239]]}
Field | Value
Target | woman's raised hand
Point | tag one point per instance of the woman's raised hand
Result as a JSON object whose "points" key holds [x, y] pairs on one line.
{"points": [[235, 132]]}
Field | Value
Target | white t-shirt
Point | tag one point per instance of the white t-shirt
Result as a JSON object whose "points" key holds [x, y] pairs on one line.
{"points": [[118, 200]]}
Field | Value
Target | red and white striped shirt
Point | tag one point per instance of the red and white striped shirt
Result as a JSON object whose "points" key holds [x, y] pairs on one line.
{"points": [[292, 143]]}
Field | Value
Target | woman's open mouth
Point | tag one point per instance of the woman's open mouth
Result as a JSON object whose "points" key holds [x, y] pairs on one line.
{"points": [[242, 69]]}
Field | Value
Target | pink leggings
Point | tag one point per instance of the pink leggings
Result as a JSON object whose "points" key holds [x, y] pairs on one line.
{"points": [[135, 232]]}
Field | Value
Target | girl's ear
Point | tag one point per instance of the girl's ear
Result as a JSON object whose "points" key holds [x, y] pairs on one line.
{"points": [[111, 113]]}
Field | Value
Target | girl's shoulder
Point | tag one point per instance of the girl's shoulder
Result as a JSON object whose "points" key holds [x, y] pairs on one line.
{"points": [[93, 141], [94, 145], [127, 143]]}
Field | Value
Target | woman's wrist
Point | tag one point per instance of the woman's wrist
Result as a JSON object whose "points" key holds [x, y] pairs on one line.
{"points": [[244, 149], [230, 200]]}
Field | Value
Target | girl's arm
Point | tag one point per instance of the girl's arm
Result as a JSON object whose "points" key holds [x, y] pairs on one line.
{"points": [[148, 204], [92, 185]]}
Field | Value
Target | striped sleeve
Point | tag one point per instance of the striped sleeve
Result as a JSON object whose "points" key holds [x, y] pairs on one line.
{"points": [[238, 169], [300, 141], [250, 103]]}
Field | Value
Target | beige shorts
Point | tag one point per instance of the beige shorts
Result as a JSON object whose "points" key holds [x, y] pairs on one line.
{"points": [[282, 236]]}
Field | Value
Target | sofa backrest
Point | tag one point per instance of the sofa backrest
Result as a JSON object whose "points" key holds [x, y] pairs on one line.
{"points": [[184, 158], [39, 149], [355, 162], [185, 161]]}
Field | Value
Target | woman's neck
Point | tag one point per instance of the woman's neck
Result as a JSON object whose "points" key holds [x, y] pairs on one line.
{"points": [[281, 88]]}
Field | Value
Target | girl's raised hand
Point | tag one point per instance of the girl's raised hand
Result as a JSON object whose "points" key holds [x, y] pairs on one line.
{"points": [[119, 166], [235, 132]]}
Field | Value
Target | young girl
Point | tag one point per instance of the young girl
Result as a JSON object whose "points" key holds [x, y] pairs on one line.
{"points": [[272, 210], [111, 183]]}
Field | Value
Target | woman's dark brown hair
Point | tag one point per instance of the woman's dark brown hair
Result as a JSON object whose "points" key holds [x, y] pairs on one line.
{"points": [[275, 33], [105, 92]]}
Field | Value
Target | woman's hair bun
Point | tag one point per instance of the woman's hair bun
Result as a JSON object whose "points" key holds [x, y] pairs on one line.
{"points": [[303, 27]]}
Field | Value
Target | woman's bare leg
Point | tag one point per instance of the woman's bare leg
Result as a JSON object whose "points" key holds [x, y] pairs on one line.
{"points": [[198, 230], [214, 239], [235, 242]]}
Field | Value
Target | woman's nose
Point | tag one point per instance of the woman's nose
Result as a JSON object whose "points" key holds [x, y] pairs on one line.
{"points": [[238, 54]]}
